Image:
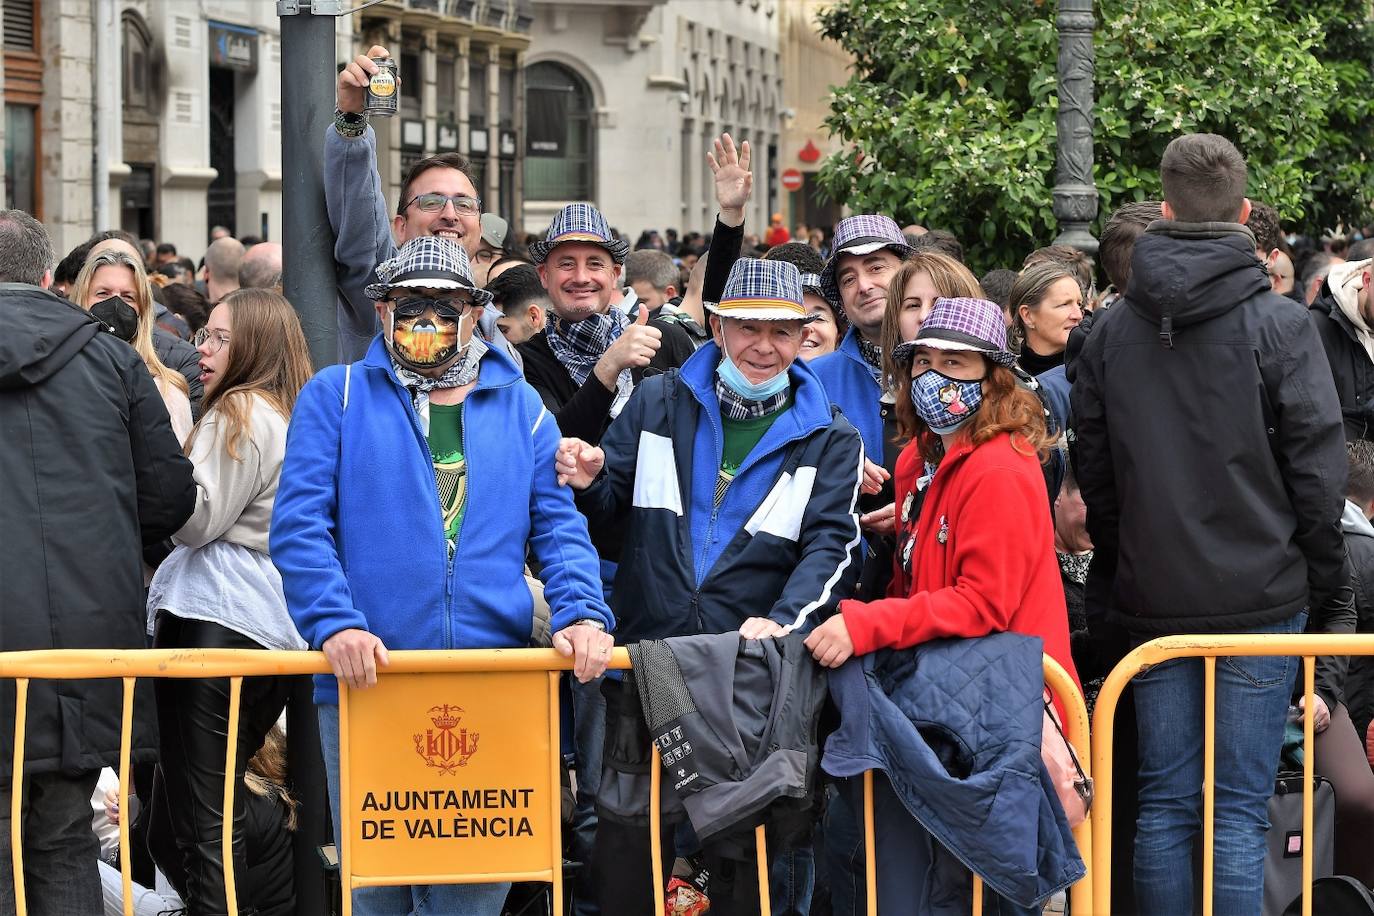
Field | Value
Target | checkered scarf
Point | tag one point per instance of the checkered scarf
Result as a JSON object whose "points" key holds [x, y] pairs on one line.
{"points": [[873, 356], [578, 345], [734, 406], [463, 371]]}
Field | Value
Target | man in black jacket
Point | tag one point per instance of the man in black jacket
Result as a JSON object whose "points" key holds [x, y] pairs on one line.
{"points": [[1211, 459], [90, 471], [1343, 314]]}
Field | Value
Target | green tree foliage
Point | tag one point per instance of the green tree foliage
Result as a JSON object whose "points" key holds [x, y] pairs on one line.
{"points": [[950, 114]]}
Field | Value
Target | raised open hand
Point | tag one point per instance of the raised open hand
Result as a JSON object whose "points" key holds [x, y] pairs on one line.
{"points": [[734, 181]]}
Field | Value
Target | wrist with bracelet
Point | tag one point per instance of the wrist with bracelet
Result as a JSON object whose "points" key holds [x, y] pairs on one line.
{"points": [[350, 124]]}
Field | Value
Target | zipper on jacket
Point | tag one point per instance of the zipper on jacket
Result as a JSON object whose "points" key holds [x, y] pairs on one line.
{"points": [[458, 535]]}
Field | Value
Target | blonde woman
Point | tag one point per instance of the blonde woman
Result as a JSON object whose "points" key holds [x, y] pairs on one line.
{"points": [[113, 287], [218, 588]]}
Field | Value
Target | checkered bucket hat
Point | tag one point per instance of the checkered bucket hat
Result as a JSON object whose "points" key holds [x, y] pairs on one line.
{"points": [[860, 234], [427, 263], [962, 324], [762, 290], [579, 223]]}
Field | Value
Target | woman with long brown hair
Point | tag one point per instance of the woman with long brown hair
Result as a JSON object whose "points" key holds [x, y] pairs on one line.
{"points": [[218, 588], [980, 558], [976, 557], [114, 287]]}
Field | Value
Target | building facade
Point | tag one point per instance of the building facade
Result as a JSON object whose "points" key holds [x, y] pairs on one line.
{"points": [[624, 99], [176, 106], [811, 66]]}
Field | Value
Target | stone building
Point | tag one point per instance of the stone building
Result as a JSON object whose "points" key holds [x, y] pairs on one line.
{"points": [[625, 96], [184, 97]]}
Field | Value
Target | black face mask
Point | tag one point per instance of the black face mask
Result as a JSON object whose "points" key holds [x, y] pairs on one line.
{"points": [[119, 317]]}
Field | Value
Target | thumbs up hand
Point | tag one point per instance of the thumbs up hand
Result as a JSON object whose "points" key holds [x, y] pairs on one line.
{"points": [[633, 349]]}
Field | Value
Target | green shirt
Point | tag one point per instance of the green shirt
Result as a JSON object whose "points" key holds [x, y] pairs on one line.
{"points": [[450, 468], [740, 438]]}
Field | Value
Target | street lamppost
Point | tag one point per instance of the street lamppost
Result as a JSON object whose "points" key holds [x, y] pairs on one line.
{"points": [[1075, 194]]}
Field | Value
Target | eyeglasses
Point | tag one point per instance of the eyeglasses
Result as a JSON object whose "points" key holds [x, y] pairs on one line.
{"points": [[415, 306], [434, 202], [216, 341]]}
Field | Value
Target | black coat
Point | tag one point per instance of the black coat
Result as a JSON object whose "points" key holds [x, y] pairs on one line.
{"points": [[584, 411], [90, 471], [1359, 683], [1209, 443], [1351, 367]]}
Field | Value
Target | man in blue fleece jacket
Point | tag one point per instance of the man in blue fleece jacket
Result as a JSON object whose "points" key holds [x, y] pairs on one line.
{"points": [[431, 456]]}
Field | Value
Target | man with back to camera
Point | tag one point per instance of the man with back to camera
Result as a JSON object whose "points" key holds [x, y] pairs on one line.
{"points": [[1212, 462]]}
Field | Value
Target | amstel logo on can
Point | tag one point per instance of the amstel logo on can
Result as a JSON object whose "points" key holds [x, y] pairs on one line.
{"points": [[382, 84], [446, 746]]}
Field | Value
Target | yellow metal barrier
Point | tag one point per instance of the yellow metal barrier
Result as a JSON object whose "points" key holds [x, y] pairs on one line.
{"points": [[1076, 730], [236, 664], [1209, 649]]}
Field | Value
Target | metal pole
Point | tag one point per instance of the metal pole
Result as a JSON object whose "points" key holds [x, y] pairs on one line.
{"points": [[1075, 194], [307, 107], [307, 103]]}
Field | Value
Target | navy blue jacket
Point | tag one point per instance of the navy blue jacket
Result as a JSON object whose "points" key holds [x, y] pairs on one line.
{"points": [[784, 542], [999, 815]]}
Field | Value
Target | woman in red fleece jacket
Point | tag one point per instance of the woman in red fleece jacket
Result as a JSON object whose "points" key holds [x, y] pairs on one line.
{"points": [[980, 558]]}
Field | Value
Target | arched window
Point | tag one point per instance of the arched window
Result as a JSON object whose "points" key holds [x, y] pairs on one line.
{"points": [[558, 127], [140, 93]]}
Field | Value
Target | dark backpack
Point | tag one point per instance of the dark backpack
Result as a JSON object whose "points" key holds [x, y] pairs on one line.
{"points": [[1336, 895]]}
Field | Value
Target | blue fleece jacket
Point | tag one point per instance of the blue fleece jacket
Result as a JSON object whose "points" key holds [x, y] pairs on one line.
{"points": [[357, 531], [850, 386], [714, 527]]}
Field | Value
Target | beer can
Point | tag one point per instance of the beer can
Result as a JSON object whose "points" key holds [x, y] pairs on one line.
{"points": [[383, 90]]}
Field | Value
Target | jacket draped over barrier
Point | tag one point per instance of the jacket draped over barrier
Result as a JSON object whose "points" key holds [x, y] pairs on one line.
{"points": [[955, 725]]}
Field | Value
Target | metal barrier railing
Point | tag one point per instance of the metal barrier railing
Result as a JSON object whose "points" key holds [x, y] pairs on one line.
{"points": [[235, 664], [1209, 649], [1076, 730]]}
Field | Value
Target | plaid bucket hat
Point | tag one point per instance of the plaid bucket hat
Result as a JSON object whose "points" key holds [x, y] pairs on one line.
{"points": [[860, 234], [962, 324], [579, 223], [762, 291], [427, 263]]}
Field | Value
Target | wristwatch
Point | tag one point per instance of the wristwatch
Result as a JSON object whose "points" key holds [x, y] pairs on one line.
{"points": [[350, 124], [593, 623]]}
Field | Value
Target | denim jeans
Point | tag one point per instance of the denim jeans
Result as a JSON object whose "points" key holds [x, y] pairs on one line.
{"points": [[1252, 696], [61, 875], [791, 876], [842, 848], [435, 899]]}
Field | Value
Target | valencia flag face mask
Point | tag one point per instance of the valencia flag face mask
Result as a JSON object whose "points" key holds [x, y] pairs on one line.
{"points": [[423, 333]]}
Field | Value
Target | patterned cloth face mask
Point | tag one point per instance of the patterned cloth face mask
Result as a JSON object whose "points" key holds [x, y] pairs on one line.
{"points": [[945, 403], [424, 332]]}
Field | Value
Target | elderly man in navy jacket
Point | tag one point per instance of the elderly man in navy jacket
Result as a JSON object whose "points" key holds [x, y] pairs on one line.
{"points": [[736, 485]]}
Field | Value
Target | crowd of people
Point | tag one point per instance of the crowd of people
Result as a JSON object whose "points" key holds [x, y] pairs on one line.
{"points": [[836, 493]]}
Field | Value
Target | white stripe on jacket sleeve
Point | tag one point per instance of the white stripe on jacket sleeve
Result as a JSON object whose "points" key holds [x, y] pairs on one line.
{"points": [[849, 548]]}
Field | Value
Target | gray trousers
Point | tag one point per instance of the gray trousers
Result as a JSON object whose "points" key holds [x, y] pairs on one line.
{"points": [[61, 876]]}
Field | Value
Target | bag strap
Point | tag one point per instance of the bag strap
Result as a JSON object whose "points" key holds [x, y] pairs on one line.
{"points": [[1084, 784]]}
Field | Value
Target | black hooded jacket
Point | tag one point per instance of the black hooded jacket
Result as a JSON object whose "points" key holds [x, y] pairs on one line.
{"points": [[1209, 442], [90, 471]]}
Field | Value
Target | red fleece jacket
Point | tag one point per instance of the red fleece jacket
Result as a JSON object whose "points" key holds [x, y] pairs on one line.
{"points": [[983, 561]]}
